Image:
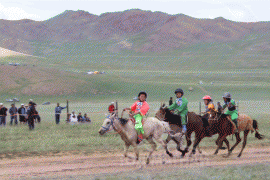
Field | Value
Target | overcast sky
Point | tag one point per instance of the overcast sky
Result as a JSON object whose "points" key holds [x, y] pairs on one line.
{"points": [[236, 10]]}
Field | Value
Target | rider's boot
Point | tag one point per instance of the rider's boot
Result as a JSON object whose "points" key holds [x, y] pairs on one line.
{"points": [[140, 138]]}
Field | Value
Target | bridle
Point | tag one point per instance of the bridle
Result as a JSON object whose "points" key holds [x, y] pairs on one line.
{"points": [[111, 124], [159, 116], [107, 128]]}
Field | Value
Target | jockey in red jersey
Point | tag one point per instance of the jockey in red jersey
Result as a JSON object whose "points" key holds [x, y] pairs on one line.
{"points": [[139, 109]]}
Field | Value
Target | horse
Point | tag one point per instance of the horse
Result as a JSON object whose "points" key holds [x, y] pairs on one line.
{"points": [[194, 124], [245, 124], [153, 129]]}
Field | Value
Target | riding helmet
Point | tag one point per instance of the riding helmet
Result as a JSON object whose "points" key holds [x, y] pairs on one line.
{"points": [[179, 90], [207, 97], [226, 95]]}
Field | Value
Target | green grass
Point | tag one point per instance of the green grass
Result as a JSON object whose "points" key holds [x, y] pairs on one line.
{"points": [[84, 138]]}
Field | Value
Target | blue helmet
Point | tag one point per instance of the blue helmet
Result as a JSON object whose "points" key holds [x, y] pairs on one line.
{"points": [[179, 90], [226, 95]]}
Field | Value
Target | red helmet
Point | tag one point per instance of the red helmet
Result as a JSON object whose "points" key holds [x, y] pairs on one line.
{"points": [[207, 97]]}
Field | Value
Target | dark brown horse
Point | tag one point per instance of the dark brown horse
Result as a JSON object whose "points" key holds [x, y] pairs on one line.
{"points": [[245, 124], [195, 124]]}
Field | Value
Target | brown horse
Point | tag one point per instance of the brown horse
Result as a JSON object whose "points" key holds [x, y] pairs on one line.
{"points": [[245, 124], [153, 129], [195, 124]]}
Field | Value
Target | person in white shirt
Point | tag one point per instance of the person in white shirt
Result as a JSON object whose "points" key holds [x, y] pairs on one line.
{"points": [[73, 117]]}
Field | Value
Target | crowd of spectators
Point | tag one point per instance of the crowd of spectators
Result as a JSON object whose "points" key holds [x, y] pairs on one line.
{"points": [[29, 115]]}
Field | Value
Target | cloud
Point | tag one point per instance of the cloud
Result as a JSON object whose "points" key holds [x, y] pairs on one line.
{"points": [[15, 13]]}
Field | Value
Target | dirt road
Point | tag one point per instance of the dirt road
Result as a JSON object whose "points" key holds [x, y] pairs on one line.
{"points": [[98, 164]]}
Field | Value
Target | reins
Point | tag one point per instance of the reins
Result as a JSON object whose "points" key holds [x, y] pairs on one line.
{"points": [[107, 128]]}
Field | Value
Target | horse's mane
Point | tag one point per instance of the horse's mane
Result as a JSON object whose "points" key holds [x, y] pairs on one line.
{"points": [[123, 121], [172, 118]]}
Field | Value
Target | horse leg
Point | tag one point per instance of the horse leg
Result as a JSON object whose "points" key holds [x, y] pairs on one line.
{"points": [[238, 140], [153, 147], [166, 147], [220, 140], [196, 143], [126, 149], [160, 141], [244, 142], [136, 150], [188, 139], [228, 146], [179, 144]]}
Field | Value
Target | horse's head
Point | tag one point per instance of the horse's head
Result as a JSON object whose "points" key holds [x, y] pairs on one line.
{"points": [[107, 125], [212, 114], [160, 114]]}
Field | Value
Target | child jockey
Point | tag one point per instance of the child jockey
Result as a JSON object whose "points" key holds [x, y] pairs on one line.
{"points": [[180, 107], [232, 111], [139, 109], [209, 105]]}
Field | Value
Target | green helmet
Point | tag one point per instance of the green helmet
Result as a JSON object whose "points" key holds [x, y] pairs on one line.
{"points": [[226, 95]]}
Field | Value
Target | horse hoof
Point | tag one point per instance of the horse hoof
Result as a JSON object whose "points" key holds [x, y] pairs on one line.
{"points": [[182, 156], [193, 151], [163, 162], [222, 148], [147, 161]]}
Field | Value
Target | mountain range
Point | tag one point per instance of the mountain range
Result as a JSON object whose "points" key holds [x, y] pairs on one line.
{"points": [[136, 30]]}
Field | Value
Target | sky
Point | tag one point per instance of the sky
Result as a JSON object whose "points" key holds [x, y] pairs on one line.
{"points": [[235, 10]]}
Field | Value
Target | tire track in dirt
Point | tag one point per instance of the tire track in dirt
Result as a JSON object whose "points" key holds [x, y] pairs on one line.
{"points": [[100, 164]]}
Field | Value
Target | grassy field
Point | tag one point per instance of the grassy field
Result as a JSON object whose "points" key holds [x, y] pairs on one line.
{"points": [[49, 138], [242, 68]]}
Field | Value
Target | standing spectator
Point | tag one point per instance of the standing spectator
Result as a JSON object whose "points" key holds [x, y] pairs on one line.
{"points": [[30, 115], [111, 108], [26, 109], [13, 114], [36, 115], [79, 117], [58, 110], [170, 101], [3, 114], [22, 113]]}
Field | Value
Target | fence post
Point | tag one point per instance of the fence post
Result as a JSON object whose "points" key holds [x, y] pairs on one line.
{"points": [[67, 112], [200, 108], [116, 109]]}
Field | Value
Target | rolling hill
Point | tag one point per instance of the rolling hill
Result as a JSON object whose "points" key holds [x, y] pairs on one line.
{"points": [[136, 30]]}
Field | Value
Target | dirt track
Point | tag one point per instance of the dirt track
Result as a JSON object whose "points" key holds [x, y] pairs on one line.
{"points": [[100, 164]]}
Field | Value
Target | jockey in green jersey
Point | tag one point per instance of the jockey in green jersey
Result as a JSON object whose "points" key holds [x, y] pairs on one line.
{"points": [[232, 111], [180, 107]]}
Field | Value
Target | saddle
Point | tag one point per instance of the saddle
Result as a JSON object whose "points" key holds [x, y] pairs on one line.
{"points": [[134, 122]]}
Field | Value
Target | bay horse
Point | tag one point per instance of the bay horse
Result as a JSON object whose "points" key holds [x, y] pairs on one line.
{"points": [[194, 124], [245, 124], [153, 129]]}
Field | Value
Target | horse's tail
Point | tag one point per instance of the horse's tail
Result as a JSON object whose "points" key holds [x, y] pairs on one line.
{"points": [[257, 134]]}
